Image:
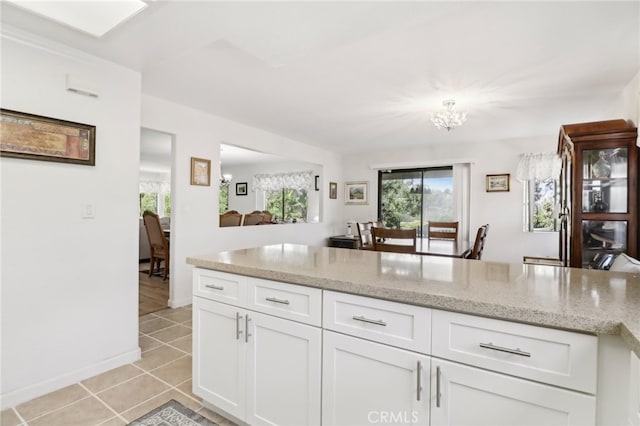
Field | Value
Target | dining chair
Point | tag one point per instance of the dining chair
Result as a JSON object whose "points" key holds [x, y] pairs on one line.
{"points": [[364, 233], [394, 240], [158, 243], [478, 246], [230, 218], [443, 230], [254, 218], [267, 215]]}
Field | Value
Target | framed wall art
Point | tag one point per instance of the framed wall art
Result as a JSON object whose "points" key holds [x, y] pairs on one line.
{"points": [[36, 137], [241, 188], [200, 171], [317, 183], [498, 183], [333, 190], [356, 192]]}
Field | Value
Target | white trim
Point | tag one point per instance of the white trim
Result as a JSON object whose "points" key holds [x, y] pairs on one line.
{"points": [[173, 303], [420, 164], [27, 393]]}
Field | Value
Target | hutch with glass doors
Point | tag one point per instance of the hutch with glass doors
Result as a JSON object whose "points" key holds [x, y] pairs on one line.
{"points": [[598, 193]]}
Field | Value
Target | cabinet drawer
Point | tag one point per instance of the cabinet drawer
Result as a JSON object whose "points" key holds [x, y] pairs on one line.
{"points": [[290, 301], [547, 355], [392, 323], [220, 286]]}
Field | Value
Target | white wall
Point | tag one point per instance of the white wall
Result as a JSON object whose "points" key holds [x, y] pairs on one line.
{"points": [[69, 285], [194, 217]]}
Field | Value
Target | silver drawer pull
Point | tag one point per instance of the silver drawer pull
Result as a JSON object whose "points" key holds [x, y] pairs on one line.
{"points": [[273, 299], [419, 384], [438, 394], [370, 321], [516, 351], [215, 287], [238, 331]]}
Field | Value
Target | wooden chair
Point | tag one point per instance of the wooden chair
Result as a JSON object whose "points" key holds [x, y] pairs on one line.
{"points": [[254, 218], [158, 243], [394, 240], [478, 246], [230, 218], [267, 215], [443, 230], [364, 232]]}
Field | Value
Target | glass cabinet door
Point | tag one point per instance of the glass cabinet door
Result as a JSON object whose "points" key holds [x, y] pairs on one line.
{"points": [[604, 180], [602, 241]]}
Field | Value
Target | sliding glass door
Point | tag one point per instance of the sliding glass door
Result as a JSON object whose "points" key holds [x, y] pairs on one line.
{"points": [[411, 198]]}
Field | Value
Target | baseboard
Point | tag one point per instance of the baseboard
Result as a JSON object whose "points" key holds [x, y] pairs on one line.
{"points": [[27, 393], [180, 303]]}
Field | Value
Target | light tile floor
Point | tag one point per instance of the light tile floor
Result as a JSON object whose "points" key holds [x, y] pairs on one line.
{"points": [[121, 395]]}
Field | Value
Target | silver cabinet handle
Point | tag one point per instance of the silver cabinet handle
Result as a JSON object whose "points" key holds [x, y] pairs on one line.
{"points": [[273, 299], [215, 287], [238, 331], [246, 328], [419, 380], [516, 351], [370, 321], [438, 387]]}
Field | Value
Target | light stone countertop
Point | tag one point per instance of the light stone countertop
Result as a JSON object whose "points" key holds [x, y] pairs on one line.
{"points": [[588, 301]]}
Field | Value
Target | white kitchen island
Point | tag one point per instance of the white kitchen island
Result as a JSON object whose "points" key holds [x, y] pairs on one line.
{"points": [[294, 334]]}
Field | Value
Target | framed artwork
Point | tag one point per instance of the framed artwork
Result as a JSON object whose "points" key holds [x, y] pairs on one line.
{"points": [[241, 188], [498, 183], [317, 183], [356, 192], [333, 190], [200, 171], [35, 137]]}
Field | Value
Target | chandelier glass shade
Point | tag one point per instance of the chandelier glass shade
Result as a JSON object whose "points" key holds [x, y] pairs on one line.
{"points": [[225, 180], [448, 118]]}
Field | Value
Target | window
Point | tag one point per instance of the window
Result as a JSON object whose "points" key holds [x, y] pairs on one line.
{"points": [[540, 197], [411, 198], [158, 203], [287, 204], [223, 199]]}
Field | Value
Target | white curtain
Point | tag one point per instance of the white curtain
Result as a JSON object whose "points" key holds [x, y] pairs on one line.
{"points": [[159, 187], [539, 165], [278, 181], [462, 193]]}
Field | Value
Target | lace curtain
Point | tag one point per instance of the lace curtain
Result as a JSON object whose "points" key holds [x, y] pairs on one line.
{"points": [[292, 180], [147, 186], [540, 165]]}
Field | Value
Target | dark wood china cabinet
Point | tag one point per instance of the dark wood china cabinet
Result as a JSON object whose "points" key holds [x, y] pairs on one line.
{"points": [[598, 193]]}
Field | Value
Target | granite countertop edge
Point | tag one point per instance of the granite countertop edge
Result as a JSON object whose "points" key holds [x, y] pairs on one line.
{"points": [[522, 314]]}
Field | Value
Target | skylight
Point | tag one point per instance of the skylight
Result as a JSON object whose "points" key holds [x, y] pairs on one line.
{"points": [[94, 17]]}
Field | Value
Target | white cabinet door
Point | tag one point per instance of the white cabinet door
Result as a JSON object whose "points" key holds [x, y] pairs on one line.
{"points": [[634, 390], [366, 383], [283, 372], [463, 395], [219, 354]]}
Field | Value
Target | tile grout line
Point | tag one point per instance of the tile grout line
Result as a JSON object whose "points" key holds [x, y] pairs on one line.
{"points": [[104, 403]]}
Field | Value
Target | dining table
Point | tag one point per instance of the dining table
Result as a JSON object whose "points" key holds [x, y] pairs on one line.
{"points": [[448, 248]]}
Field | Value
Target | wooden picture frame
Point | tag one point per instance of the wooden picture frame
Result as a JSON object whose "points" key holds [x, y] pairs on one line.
{"points": [[498, 183], [356, 193], [241, 188], [35, 137], [333, 190], [200, 171]]}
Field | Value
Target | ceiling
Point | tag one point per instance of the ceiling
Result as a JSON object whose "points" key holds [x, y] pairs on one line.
{"points": [[355, 76]]}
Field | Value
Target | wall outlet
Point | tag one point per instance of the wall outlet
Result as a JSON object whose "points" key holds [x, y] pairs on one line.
{"points": [[88, 211]]}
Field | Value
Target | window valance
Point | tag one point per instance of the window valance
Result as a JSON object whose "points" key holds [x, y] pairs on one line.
{"points": [[292, 180], [539, 165]]}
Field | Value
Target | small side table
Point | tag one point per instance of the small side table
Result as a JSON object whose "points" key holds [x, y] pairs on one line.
{"points": [[344, 241]]}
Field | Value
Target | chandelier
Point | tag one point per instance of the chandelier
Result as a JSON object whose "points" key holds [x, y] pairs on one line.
{"points": [[225, 180], [448, 118]]}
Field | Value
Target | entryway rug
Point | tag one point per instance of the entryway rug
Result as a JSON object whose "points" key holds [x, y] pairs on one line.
{"points": [[172, 414]]}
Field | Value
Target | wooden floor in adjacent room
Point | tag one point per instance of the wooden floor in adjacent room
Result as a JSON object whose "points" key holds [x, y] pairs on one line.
{"points": [[153, 292]]}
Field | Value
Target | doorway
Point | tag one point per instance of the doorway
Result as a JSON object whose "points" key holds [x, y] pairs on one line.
{"points": [[155, 194]]}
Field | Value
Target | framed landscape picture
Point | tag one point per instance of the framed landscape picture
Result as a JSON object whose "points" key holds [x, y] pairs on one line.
{"points": [[200, 171], [356, 192], [35, 137], [333, 190], [498, 183]]}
